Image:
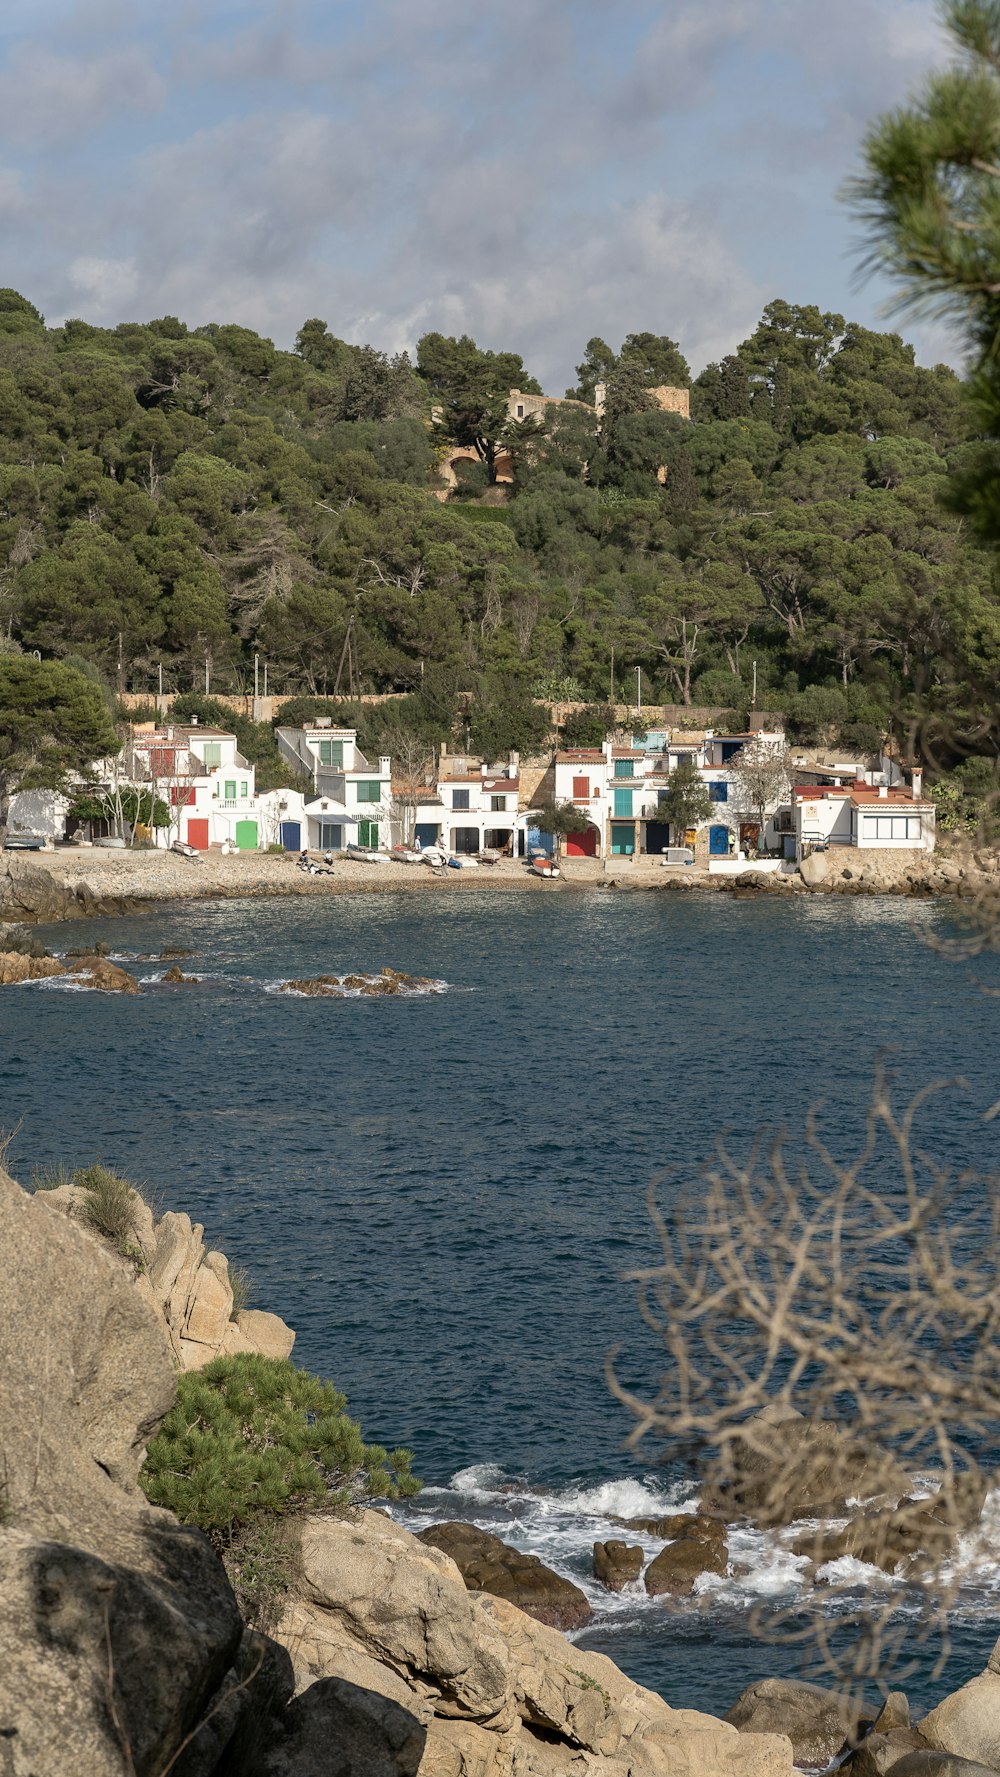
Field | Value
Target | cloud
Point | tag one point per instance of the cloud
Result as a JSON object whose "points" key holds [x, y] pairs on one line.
{"points": [[108, 284], [49, 99]]}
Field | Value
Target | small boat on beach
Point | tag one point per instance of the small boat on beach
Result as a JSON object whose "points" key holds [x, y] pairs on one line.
{"points": [[462, 862], [544, 866], [433, 856], [405, 854], [364, 855]]}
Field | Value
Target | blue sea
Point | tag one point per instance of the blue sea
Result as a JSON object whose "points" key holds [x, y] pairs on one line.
{"points": [[442, 1192]]}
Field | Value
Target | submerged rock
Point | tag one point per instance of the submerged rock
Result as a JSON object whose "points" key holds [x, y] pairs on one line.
{"points": [[388, 981], [674, 1570], [489, 1565], [176, 978]]}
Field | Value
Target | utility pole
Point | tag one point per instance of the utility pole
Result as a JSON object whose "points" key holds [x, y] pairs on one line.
{"points": [[206, 675], [256, 676], [638, 690], [265, 678], [612, 678], [159, 672], [121, 666], [753, 694]]}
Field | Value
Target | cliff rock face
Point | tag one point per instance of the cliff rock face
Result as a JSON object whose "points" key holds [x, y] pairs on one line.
{"points": [[187, 1287], [118, 1625], [497, 1693]]}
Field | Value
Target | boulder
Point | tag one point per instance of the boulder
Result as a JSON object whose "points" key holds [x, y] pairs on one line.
{"points": [[881, 1751], [265, 1333], [210, 1303], [819, 1723], [690, 1524], [338, 1729], [497, 1693], [489, 1565], [939, 1764], [674, 1570], [17, 966], [118, 1624], [104, 976], [893, 1537], [617, 1564], [175, 977], [808, 1468], [815, 868], [967, 1723]]}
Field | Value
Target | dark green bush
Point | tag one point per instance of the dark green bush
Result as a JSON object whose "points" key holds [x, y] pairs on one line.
{"points": [[108, 1206], [251, 1437]]}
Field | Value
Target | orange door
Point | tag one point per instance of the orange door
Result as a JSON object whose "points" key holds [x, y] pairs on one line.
{"points": [[198, 835]]}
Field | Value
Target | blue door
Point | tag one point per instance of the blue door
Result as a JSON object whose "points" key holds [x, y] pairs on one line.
{"points": [[426, 832], [291, 835], [718, 842]]}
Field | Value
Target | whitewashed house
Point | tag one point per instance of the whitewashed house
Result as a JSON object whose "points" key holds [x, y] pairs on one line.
{"points": [[866, 816], [203, 777], [468, 811], [351, 802]]}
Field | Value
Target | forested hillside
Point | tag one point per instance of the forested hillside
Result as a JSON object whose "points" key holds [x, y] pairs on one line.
{"points": [[173, 496]]}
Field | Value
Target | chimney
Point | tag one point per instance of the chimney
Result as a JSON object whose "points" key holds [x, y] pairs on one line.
{"points": [[515, 763], [917, 782], [384, 765], [883, 791], [609, 747]]}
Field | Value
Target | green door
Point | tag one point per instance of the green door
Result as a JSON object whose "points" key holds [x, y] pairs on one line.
{"points": [[622, 839], [368, 834], [623, 802], [246, 835]]}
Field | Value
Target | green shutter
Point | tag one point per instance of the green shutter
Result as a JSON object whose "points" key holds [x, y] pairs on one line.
{"points": [[624, 767], [331, 752], [213, 752], [230, 789], [370, 792], [623, 802]]}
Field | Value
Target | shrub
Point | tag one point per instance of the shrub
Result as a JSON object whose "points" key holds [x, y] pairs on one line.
{"points": [[51, 1178], [252, 1437], [108, 1206], [241, 1284]]}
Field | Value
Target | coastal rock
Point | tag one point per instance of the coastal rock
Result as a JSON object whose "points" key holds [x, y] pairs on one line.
{"points": [[818, 1723], [176, 978], [118, 1624], [265, 1333], [17, 966], [497, 1693], [372, 1736], [388, 981], [881, 1752], [674, 1570], [32, 896], [692, 1524], [891, 1537], [489, 1565], [967, 1723], [617, 1564], [210, 1303], [939, 1764], [104, 976], [813, 1468]]}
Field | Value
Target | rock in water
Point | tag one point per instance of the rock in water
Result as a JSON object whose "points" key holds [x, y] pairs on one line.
{"points": [[489, 1565], [617, 1564], [675, 1569], [967, 1723], [106, 977], [818, 1723], [16, 966]]}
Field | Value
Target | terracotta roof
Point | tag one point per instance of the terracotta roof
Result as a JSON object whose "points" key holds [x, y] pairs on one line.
{"points": [[864, 795], [580, 756]]}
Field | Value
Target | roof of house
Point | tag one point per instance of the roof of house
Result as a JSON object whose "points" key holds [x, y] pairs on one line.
{"points": [[862, 795], [580, 756]]}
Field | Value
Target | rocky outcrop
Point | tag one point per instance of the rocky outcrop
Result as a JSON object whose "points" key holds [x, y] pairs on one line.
{"points": [[617, 1564], [700, 1548], [496, 1693], [16, 967], [966, 1724], [786, 1467], [104, 976], [187, 1288], [894, 1537], [489, 1565], [819, 1723], [119, 1628], [32, 896], [94, 971], [387, 981]]}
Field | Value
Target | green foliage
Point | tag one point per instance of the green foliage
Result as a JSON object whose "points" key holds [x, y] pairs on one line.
{"points": [[252, 1438], [109, 1206], [240, 1280], [966, 798], [561, 819], [51, 1178], [505, 719], [685, 801], [590, 727], [52, 720]]}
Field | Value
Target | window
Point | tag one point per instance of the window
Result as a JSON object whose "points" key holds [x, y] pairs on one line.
{"points": [[623, 802], [213, 753], [624, 767], [459, 798], [331, 752], [368, 834], [243, 789], [331, 838], [498, 804], [181, 796], [895, 826], [520, 410], [581, 789], [369, 790], [230, 789], [718, 792]]}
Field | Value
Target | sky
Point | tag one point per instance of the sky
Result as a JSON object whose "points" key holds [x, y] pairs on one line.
{"points": [[533, 172]]}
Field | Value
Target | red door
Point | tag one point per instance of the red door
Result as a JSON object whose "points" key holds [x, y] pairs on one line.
{"points": [[198, 835], [582, 845]]}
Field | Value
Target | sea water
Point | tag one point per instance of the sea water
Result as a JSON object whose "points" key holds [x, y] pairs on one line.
{"points": [[441, 1191]]}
